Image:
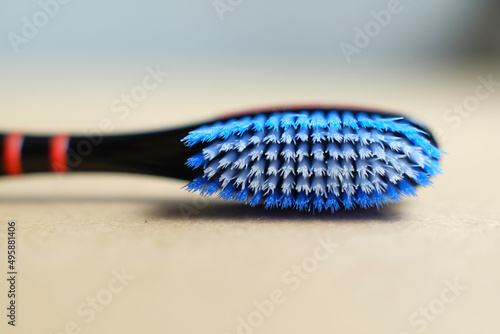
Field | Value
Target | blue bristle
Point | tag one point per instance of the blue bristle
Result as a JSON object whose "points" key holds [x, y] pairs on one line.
{"points": [[318, 120], [211, 188], [227, 193], [286, 201], [406, 188], [197, 185], [313, 160], [318, 203], [273, 123], [272, 201], [365, 121], [288, 121], [256, 198], [196, 161], [422, 179], [393, 194], [241, 196], [332, 202], [303, 120], [348, 120], [302, 202], [259, 123], [334, 121], [379, 199], [363, 199], [348, 201]]}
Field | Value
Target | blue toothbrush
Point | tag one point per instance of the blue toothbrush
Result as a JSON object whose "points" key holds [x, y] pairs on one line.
{"points": [[311, 159]]}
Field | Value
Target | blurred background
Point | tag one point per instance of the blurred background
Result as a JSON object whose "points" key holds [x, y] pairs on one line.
{"points": [[73, 65], [72, 58]]}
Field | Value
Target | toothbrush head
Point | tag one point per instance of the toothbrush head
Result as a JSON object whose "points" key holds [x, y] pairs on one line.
{"points": [[313, 159]]}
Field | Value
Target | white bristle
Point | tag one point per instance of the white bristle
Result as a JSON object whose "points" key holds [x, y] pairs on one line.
{"points": [[318, 152], [288, 185], [303, 184], [257, 183], [288, 152], [258, 168], [362, 167], [227, 177], [257, 138], [333, 150], [302, 135], [318, 186], [227, 160], [318, 168], [304, 168], [271, 184], [288, 136], [272, 152], [257, 152], [302, 151], [287, 168], [274, 167]]}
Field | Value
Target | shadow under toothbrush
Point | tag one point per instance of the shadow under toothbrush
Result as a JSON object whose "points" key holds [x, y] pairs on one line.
{"points": [[233, 212], [186, 211]]}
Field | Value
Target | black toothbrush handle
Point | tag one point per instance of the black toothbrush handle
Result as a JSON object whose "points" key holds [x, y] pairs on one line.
{"points": [[158, 153]]}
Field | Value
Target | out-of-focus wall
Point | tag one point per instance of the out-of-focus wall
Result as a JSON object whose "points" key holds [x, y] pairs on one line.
{"points": [[72, 60], [75, 30]]}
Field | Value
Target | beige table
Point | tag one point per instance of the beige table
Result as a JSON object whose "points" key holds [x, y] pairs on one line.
{"points": [[187, 265]]}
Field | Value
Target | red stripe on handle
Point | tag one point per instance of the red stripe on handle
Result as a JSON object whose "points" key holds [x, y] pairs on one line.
{"points": [[58, 153], [12, 147]]}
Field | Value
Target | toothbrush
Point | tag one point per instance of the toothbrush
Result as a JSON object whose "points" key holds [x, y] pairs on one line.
{"points": [[316, 158]]}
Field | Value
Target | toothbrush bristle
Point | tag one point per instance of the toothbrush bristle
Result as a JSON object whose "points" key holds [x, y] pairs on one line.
{"points": [[313, 160]]}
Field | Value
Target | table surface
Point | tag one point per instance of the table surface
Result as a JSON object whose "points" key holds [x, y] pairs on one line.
{"points": [[189, 265]]}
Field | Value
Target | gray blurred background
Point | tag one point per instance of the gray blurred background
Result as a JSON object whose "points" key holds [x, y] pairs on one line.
{"points": [[193, 30], [212, 266], [229, 54]]}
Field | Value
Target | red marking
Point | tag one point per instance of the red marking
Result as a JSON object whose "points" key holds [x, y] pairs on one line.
{"points": [[12, 147], [296, 107], [58, 153]]}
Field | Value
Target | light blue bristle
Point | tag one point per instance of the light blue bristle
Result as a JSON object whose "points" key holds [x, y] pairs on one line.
{"points": [[348, 120], [334, 121], [303, 121], [288, 121], [318, 120], [273, 123], [365, 121], [259, 123], [313, 160]]}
